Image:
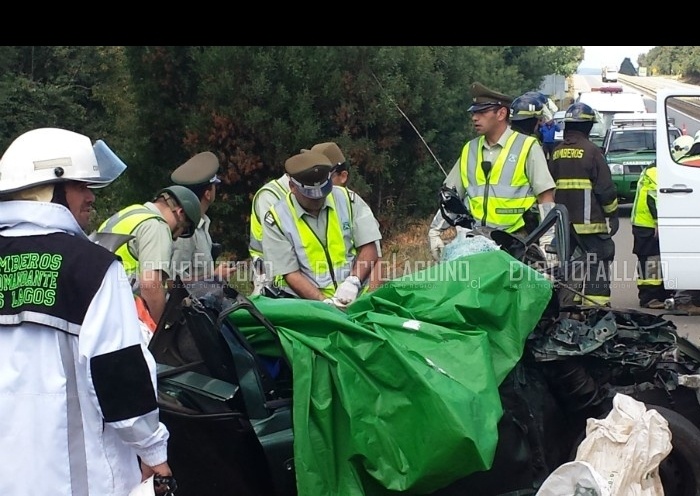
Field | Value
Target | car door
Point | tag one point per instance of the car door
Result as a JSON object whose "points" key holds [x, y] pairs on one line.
{"points": [[678, 200]]}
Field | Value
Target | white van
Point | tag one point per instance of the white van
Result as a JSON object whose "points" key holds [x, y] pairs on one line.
{"points": [[678, 199]]}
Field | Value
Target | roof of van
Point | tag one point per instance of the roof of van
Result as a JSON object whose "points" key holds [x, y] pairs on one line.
{"points": [[625, 101]]}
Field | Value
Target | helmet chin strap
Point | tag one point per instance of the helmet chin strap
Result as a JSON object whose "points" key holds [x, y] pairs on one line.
{"points": [[173, 206], [59, 195]]}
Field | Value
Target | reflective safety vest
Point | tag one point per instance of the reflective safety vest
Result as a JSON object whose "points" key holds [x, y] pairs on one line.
{"points": [[509, 193], [255, 245], [646, 187], [124, 222], [325, 264]]}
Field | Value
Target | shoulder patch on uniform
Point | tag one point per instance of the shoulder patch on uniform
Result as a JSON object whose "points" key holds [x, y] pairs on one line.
{"points": [[269, 218]]}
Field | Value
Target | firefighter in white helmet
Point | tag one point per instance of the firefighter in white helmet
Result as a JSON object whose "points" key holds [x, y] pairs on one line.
{"points": [[681, 146], [77, 388]]}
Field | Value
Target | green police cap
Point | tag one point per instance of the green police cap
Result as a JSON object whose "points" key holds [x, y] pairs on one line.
{"points": [[311, 173], [199, 169], [484, 98]]}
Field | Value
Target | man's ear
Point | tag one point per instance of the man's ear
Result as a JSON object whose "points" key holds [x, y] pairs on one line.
{"points": [[209, 193]]}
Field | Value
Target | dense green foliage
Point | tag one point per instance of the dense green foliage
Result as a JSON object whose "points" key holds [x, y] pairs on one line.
{"points": [[255, 106], [673, 60]]}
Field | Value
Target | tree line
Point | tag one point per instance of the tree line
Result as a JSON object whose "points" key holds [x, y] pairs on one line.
{"points": [[681, 61], [255, 106]]}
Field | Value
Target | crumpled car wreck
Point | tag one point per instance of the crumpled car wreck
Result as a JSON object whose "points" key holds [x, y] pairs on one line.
{"points": [[460, 379]]}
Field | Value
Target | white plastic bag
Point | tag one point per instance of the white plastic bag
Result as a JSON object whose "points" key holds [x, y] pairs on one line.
{"points": [[574, 479], [627, 447]]}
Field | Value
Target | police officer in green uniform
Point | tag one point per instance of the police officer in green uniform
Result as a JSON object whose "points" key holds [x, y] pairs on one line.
{"points": [[340, 174], [650, 284], [173, 213], [318, 240], [192, 256], [585, 187], [501, 174]]}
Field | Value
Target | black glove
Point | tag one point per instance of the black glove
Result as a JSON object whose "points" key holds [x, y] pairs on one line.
{"points": [[613, 224]]}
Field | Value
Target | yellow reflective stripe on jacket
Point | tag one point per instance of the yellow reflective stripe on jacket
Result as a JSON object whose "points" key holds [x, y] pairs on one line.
{"points": [[574, 184], [610, 207], [646, 186], [594, 228], [256, 229], [600, 300], [649, 282], [328, 264], [509, 193], [586, 187], [124, 222]]}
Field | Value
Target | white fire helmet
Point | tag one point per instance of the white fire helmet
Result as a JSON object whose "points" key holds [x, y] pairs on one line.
{"points": [[681, 146], [52, 155]]}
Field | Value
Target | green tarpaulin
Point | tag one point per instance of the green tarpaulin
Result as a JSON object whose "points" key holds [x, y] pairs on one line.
{"points": [[400, 394]]}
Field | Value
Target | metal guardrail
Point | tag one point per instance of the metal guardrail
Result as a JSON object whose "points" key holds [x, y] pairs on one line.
{"points": [[690, 106]]}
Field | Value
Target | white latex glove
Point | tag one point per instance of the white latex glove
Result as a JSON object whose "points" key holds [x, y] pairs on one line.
{"points": [[547, 238], [437, 245], [260, 280], [348, 289], [334, 302]]}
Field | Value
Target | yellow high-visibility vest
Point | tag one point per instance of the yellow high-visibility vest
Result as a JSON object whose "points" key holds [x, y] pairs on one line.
{"points": [[509, 194]]}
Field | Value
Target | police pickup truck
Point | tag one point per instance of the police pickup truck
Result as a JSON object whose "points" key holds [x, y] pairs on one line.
{"points": [[678, 197], [630, 145]]}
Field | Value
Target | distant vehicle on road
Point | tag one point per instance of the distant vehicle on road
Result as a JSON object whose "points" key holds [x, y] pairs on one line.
{"points": [[609, 74]]}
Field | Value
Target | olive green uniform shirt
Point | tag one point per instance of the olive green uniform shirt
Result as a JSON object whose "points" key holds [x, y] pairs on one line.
{"points": [[279, 251], [152, 244]]}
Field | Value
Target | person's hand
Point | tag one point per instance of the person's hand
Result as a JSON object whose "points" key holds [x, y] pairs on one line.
{"points": [[613, 224], [437, 245], [260, 280], [160, 469], [347, 291], [547, 243], [224, 270]]}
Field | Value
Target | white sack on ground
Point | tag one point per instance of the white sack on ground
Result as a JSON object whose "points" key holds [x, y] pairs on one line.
{"points": [[574, 478], [627, 447]]}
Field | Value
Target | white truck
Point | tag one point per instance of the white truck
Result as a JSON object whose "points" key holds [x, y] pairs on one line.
{"points": [[678, 199], [609, 74]]}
